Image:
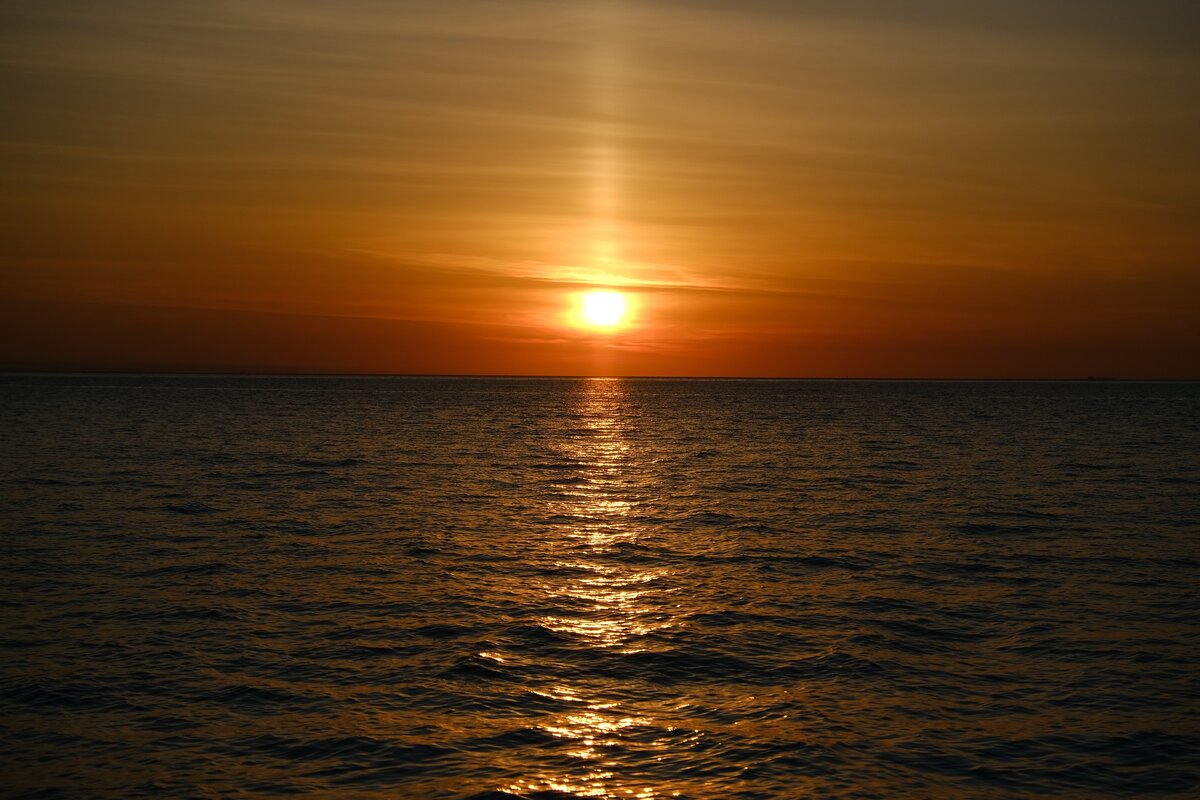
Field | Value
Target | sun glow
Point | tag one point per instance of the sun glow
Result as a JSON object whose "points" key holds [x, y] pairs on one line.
{"points": [[603, 308]]}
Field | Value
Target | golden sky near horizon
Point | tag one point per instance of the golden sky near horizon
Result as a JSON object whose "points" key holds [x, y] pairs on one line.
{"points": [[800, 187]]}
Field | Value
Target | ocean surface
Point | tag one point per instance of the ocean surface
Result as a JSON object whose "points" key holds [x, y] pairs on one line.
{"points": [[524, 588]]}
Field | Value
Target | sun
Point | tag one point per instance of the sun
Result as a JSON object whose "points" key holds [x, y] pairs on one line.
{"points": [[603, 308]]}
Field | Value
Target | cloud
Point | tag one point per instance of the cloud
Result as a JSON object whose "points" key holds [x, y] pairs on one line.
{"points": [[464, 161]]}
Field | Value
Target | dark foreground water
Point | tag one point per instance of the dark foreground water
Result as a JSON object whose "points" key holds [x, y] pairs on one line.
{"points": [[407, 588]]}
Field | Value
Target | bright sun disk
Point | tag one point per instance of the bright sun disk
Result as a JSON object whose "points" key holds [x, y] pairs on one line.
{"points": [[603, 308]]}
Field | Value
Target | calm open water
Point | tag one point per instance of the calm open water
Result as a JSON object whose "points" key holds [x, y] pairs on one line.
{"points": [[491, 588]]}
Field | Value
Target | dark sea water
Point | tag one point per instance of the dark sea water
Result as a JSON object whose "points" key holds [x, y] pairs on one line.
{"points": [[491, 588]]}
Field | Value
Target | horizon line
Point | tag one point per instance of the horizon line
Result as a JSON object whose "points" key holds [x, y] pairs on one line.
{"points": [[529, 376]]}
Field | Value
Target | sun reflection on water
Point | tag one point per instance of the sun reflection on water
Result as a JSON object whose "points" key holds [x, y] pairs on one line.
{"points": [[615, 604]]}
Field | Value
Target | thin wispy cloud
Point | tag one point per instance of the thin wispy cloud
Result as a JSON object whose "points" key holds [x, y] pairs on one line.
{"points": [[363, 158]]}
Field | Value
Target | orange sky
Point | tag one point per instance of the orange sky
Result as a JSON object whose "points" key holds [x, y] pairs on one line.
{"points": [[799, 187]]}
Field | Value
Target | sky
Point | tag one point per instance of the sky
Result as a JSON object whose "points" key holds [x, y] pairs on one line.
{"points": [[818, 188]]}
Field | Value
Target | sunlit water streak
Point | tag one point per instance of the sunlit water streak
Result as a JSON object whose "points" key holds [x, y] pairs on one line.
{"points": [[558, 588], [615, 601]]}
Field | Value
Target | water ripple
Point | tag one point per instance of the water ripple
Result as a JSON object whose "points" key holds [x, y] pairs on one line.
{"points": [[561, 589]]}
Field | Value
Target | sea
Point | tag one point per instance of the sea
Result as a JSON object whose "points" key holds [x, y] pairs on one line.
{"points": [[487, 588]]}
